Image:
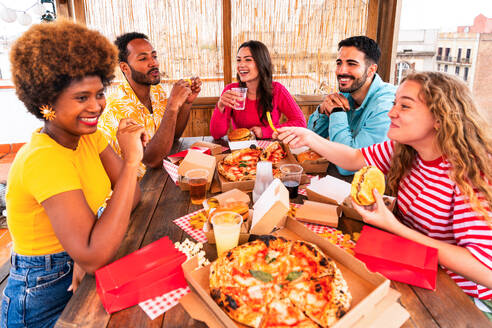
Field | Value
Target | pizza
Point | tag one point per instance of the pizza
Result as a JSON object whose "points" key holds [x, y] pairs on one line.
{"points": [[274, 282], [273, 153], [240, 165]]}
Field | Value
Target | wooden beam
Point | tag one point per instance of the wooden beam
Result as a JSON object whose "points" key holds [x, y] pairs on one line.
{"points": [[62, 9], [387, 36], [372, 19], [227, 40], [78, 11]]}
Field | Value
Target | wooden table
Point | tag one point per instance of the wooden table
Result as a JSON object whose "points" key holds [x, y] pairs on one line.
{"points": [[162, 201]]}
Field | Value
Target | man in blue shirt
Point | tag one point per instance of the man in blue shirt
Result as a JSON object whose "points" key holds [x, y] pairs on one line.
{"points": [[358, 115]]}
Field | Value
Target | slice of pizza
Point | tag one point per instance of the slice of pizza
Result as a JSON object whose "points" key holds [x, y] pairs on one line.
{"points": [[324, 300], [282, 314], [273, 153], [246, 305], [243, 156], [312, 260], [237, 172]]}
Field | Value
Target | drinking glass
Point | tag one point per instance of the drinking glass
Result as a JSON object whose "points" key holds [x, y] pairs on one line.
{"points": [[291, 178], [227, 226], [197, 180], [241, 101]]}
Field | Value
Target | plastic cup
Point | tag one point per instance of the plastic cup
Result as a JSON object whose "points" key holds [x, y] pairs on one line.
{"points": [[227, 226], [291, 178], [241, 101], [197, 180]]}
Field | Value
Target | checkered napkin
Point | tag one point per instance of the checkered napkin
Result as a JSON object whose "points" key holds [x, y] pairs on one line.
{"points": [[302, 191], [183, 223], [172, 170], [154, 307]]}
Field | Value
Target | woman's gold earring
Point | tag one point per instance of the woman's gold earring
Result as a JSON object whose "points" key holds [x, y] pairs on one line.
{"points": [[48, 112]]}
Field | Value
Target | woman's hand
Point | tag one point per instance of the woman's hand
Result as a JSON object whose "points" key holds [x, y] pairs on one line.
{"points": [[378, 214], [78, 275], [257, 131], [228, 99], [295, 136], [132, 139], [196, 87]]}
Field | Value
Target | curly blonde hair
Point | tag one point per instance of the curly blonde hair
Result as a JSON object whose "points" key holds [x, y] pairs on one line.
{"points": [[49, 56], [462, 138]]}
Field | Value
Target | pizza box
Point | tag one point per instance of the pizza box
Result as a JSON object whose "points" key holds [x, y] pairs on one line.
{"points": [[318, 166], [334, 191], [248, 185], [372, 298], [195, 159]]}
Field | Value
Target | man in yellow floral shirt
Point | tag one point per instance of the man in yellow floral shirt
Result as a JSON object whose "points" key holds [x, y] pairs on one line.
{"points": [[143, 99]]}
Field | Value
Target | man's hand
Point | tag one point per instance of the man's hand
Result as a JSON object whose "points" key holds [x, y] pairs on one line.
{"points": [[333, 100], [179, 94], [196, 87]]}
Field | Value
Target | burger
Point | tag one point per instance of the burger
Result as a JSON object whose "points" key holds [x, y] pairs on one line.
{"points": [[239, 207], [308, 155], [365, 181], [239, 134]]}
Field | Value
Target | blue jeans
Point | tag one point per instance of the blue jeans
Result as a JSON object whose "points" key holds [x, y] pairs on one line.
{"points": [[36, 290]]}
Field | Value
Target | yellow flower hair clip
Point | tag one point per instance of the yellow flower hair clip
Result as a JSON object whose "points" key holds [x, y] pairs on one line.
{"points": [[48, 112]]}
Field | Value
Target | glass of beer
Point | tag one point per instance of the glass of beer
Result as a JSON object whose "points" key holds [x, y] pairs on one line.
{"points": [[291, 178], [241, 101], [227, 226], [197, 180]]}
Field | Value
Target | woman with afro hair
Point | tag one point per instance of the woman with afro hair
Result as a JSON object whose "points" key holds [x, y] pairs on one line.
{"points": [[438, 164], [61, 178]]}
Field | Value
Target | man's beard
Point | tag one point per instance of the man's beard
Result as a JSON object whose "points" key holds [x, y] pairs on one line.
{"points": [[356, 84], [144, 79]]}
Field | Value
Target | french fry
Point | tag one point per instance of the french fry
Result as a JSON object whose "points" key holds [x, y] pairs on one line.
{"points": [[269, 118]]}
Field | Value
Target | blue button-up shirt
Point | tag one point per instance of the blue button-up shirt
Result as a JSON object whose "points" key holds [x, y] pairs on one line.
{"points": [[359, 127]]}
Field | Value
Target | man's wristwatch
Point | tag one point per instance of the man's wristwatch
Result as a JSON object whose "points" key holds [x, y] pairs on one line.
{"points": [[337, 109]]}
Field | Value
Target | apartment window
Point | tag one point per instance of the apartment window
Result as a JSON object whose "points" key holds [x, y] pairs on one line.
{"points": [[465, 74], [401, 71], [439, 51], [438, 67], [457, 70], [468, 53], [446, 54], [445, 68], [459, 55]]}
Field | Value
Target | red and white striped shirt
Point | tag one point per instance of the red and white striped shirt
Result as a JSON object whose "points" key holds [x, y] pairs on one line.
{"points": [[431, 203]]}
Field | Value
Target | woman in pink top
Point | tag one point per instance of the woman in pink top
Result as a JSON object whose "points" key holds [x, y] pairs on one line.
{"points": [[254, 71]]}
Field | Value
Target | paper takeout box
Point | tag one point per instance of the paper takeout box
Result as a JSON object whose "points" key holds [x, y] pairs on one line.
{"points": [[373, 302], [319, 213], [270, 208], [196, 160], [334, 191], [175, 158], [317, 166], [215, 149], [149, 272], [397, 258]]}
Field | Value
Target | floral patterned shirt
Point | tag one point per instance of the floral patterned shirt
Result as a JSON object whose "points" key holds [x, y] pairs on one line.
{"points": [[123, 103]]}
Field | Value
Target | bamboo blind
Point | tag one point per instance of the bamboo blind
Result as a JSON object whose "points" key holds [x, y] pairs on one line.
{"points": [[302, 35]]}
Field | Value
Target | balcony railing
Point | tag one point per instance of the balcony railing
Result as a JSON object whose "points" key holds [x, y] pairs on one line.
{"points": [[444, 58]]}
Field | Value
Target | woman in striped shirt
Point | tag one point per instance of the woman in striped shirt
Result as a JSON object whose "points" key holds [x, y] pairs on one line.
{"points": [[438, 163]]}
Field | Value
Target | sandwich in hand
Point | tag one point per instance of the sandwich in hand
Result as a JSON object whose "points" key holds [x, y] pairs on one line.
{"points": [[365, 181]]}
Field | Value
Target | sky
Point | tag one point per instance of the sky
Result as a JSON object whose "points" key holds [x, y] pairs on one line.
{"points": [[444, 14]]}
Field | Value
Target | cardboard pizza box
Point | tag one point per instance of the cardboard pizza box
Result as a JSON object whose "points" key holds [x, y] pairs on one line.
{"points": [[215, 149], [373, 302], [270, 208], [248, 185], [319, 213], [318, 166], [196, 160], [334, 191]]}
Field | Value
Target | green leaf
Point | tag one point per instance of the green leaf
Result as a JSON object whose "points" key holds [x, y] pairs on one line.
{"points": [[269, 259], [261, 275], [242, 165], [293, 275]]}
